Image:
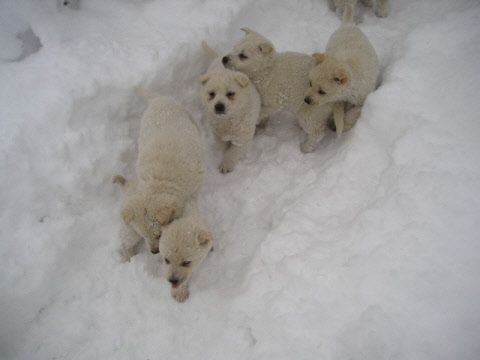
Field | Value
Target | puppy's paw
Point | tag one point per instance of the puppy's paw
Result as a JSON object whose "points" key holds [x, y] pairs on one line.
{"points": [[308, 146], [181, 295], [226, 167]]}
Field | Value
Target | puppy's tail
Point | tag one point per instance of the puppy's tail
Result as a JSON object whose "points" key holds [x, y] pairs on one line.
{"points": [[144, 93], [349, 11], [212, 54]]}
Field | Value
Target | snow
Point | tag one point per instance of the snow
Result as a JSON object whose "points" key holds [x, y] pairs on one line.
{"points": [[367, 248]]}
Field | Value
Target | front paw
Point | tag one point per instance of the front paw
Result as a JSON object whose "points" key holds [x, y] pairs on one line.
{"points": [[226, 167], [181, 294], [308, 146]]}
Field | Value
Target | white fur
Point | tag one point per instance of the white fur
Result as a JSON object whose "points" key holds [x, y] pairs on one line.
{"points": [[280, 78], [381, 8], [345, 75], [235, 125], [187, 239], [169, 170]]}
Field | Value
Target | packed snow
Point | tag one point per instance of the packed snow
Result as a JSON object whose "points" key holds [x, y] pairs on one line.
{"points": [[367, 248]]}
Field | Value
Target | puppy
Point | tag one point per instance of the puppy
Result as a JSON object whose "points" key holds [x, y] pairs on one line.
{"points": [[280, 78], [233, 108], [381, 8], [169, 169], [345, 74], [184, 245]]}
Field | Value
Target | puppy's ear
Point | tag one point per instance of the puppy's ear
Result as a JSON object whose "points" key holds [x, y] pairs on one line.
{"points": [[266, 48], [247, 30], [165, 214], [204, 78], [319, 58], [242, 79], [128, 214], [204, 237], [341, 76], [119, 179]]}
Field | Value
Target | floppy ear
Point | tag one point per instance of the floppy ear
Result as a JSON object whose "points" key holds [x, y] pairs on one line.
{"points": [[242, 79], [319, 58], [247, 30], [204, 237], [119, 179], [266, 48], [341, 76], [204, 78], [128, 214], [164, 214]]}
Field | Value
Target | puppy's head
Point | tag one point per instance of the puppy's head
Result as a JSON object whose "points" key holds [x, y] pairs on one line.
{"points": [[330, 80], [253, 53], [147, 213], [224, 91], [184, 245]]}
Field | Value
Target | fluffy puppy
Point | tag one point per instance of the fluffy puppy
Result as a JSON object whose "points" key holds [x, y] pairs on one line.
{"points": [[233, 105], [381, 8], [184, 245], [345, 74], [280, 78], [169, 169]]}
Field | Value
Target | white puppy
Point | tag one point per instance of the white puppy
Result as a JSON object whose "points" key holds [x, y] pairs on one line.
{"points": [[280, 78], [233, 107], [169, 169], [184, 245], [345, 74], [381, 8]]}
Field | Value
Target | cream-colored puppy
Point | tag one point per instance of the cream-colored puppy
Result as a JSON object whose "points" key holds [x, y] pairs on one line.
{"points": [[280, 78], [381, 8], [345, 75], [184, 245], [169, 169], [233, 108]]}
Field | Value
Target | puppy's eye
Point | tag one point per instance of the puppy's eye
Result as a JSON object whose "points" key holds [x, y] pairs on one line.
{"points": [[211, 94], [230, 94], [167, 261], [321, 92], [310, 84], [186, 263], [242, 56]]}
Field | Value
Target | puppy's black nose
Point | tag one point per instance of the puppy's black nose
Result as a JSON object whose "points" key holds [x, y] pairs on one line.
{"points": [[308, 100], [173, 281], [225, 59], [155, 251], [219, 108]]}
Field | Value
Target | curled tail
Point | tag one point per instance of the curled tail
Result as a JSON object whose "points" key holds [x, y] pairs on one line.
{"points": [[349, 11], [212, 54], [144, 93]]}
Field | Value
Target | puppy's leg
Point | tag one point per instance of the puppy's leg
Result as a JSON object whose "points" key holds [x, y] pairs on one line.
{"points": [[382, 8], [265, 112], [223, 145], [351, 117], [129, 239], [338, 116], [231, 157], [310, 143], [181, 293]]}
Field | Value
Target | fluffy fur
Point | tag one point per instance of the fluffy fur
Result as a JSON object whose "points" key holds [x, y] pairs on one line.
{"points": [[169, 171], [184, 245], [280, 78], [381, 8], [233, 105], [345, 74]]}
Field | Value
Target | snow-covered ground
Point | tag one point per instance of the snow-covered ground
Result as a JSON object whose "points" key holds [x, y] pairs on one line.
{"points": [[368, 248]]}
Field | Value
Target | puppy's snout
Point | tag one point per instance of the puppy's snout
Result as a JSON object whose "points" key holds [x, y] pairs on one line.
{"points": [[225, 60], [308, 100], [219, 108], [173, 281]]}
